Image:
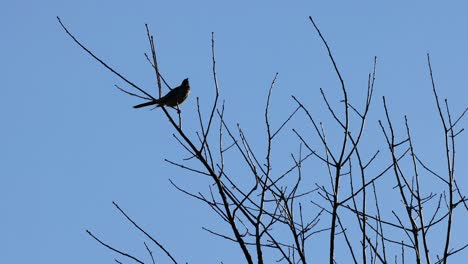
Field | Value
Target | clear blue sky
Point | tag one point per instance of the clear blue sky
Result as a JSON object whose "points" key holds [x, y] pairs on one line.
{"points": [[71, 143]]}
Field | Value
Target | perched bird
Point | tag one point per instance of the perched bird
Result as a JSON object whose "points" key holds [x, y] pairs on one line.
{"points": [[173, 98]]}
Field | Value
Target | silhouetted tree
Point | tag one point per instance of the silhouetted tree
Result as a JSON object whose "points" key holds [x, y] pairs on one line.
{"points": [[273, 214]]}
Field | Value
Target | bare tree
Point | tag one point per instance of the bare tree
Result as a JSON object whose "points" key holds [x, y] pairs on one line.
{"points": [[273, 214]]}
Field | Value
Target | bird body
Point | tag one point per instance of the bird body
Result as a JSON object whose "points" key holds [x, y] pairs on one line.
{"points": [[173, 98]]}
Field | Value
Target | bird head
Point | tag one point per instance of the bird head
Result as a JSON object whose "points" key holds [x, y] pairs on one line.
{"points": [[185, 82]]}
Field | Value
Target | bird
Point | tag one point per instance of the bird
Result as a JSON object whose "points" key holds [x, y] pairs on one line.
{"points": [[173, 98]]}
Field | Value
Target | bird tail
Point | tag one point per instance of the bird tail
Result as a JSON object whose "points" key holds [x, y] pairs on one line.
{"points": [[146, 104]]}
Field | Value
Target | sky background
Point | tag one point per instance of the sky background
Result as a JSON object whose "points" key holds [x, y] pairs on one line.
{"points": [[71, 143]]}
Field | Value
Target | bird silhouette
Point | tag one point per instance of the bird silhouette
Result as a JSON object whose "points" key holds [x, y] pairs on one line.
{"points": [[173, 98]]}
